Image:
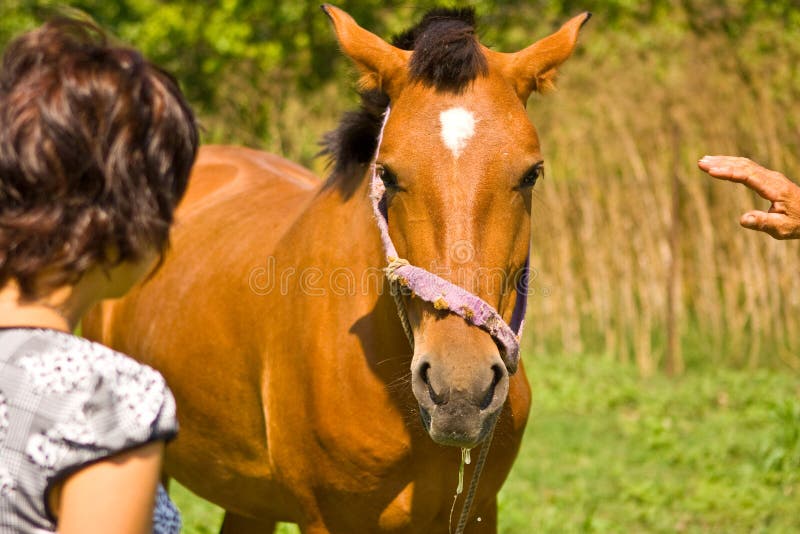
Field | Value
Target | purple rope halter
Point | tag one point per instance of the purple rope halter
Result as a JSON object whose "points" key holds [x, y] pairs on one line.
{"points": [[442, 294]]}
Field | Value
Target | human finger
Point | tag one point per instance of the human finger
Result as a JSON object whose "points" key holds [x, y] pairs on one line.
{"points": [[777, 225], [767, 183]]}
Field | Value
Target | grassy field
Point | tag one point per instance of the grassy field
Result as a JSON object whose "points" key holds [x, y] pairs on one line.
{"points": [[606, 451]]}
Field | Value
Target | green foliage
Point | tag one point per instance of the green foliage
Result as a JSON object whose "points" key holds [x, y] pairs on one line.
{"points": [[781, 446], [16, 16], [199, 516], [607, 451]]}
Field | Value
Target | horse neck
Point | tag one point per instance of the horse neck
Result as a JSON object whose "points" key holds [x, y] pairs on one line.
{"points": [[337, 231], [341, 218]]}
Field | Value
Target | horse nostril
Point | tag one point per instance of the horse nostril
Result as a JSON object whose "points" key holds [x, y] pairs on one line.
{"points": [[489, 396], [437, 398], [423, 372]]}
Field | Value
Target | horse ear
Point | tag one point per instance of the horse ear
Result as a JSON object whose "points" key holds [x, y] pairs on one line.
{"points": [[382, 65], [535, 68]]}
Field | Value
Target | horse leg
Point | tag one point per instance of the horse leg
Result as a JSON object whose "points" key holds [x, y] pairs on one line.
{"points": [[236, 524]]}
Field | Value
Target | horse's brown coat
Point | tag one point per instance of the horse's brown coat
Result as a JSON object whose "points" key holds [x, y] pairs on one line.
{"points": [[296, 406]]}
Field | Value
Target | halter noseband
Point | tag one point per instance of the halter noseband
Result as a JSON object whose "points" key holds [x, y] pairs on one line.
{"points": [[444, 295]]}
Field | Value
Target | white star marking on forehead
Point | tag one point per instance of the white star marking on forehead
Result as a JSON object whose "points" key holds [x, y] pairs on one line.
{"points": [[458, 127]]}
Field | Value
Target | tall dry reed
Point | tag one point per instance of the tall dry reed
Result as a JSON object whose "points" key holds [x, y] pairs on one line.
{"points": [[625, 203]]}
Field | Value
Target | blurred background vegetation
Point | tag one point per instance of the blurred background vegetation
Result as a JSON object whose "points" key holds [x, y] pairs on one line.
{"points": [[641, 266], [637, 255]]}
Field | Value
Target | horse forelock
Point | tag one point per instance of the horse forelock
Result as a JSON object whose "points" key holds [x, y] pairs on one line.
{"points": [[446, 52], [446, 56]]}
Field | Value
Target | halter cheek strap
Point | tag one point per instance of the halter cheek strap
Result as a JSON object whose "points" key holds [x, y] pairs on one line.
{"points": [[444, 295]]}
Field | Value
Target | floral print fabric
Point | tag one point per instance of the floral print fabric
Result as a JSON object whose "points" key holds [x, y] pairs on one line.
{"points": [[66, 402]]}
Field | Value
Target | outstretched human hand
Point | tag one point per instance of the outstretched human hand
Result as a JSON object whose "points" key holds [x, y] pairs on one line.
{"points": [[782, 221]]}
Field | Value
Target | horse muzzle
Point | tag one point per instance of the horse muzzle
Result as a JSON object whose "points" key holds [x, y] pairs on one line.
{"points": [[459, 408]]}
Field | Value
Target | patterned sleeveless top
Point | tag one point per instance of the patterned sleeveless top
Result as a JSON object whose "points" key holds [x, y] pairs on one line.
{"points": [[66, 402]]}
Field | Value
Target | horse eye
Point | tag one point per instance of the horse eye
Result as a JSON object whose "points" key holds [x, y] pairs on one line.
{"points": [[387, 176], [533, 174]]}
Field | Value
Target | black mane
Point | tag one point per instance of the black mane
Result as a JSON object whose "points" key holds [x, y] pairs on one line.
{"points": [[446, 56]]}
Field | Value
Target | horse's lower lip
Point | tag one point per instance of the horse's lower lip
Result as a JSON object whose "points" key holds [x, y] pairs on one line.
{"points": [[461, 436], [451, 438], [456, 441]]}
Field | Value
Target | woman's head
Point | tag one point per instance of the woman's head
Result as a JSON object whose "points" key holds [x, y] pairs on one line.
{"points": [[96, 145]]}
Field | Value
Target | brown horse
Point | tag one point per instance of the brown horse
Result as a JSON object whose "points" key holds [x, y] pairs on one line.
{"points": [[298, 394]]}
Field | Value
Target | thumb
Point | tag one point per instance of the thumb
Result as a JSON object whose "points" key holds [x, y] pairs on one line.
{"points": [[770, 223]]}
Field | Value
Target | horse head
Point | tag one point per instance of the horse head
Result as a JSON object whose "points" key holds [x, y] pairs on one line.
{"points": [[458, 159]]}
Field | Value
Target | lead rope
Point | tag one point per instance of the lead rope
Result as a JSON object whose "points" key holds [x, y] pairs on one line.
{"points": [[473, 484], [395, 290]]}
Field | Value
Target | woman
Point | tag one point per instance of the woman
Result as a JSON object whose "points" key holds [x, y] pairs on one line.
{"points": [[96, 145]]}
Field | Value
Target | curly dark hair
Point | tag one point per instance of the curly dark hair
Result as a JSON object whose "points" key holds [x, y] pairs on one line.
{"points": [[96, 146]]}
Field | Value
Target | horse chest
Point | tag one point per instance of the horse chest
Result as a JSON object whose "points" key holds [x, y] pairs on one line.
{"points": [[410, 495]]}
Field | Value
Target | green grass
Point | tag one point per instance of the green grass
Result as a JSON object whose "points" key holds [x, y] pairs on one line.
{"points": [[606, 451]]}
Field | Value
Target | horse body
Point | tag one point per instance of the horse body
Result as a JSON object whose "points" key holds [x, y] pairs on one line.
{"points": [[292, 404], [273, 324]]}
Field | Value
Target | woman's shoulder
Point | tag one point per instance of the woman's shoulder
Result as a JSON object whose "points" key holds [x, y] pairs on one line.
{"points": [[66, 402], [83, 396], [58, 362]]}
